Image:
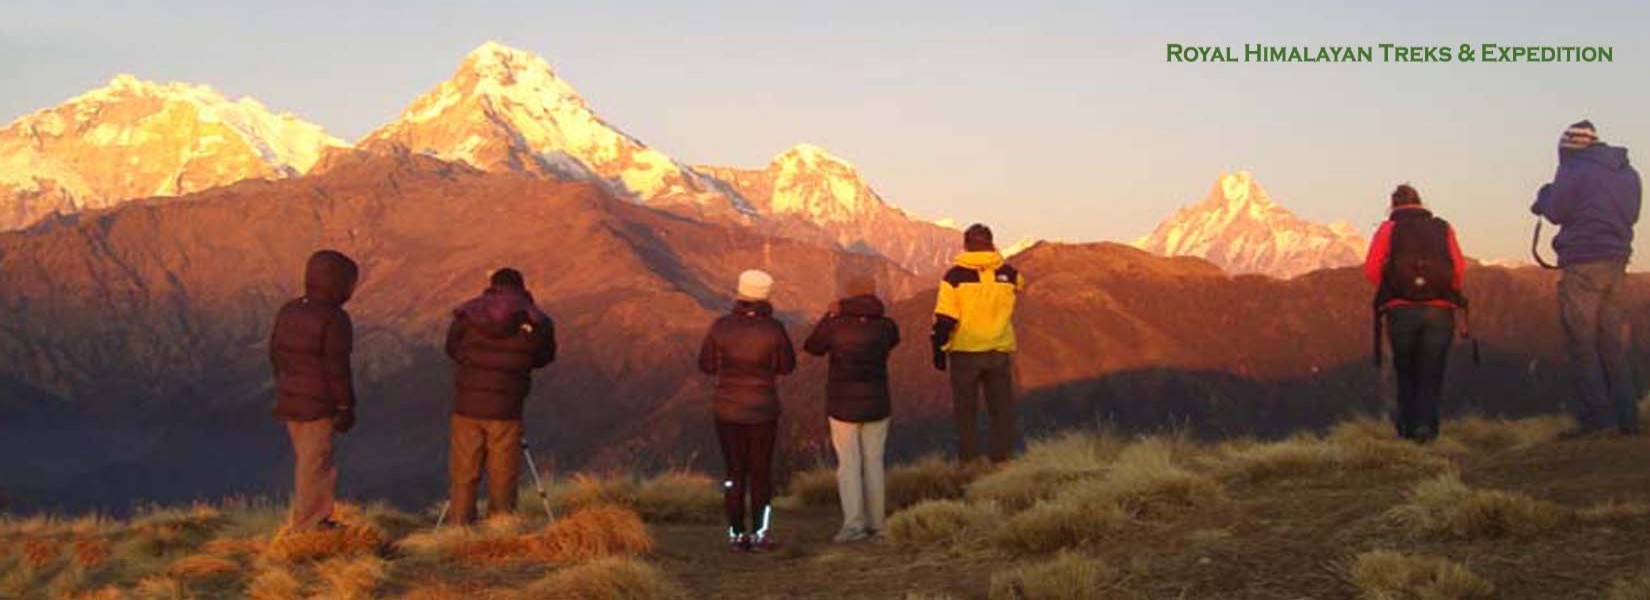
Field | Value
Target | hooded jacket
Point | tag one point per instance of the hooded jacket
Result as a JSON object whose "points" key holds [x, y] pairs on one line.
{"points": [[858, 339], [310, 345], [496, 340], [975, 308], [747, 350], [1594, 199]]}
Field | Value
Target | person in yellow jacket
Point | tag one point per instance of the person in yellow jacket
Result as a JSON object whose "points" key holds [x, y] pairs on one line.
{"points": [[974, 339]]}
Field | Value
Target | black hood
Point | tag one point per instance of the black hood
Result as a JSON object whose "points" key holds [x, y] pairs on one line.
{"points": [[752, 308], [862, 306], [330, 278]]}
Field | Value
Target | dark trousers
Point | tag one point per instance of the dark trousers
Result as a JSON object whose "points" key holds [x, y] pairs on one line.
{"points": [[992, 372], [747, 451], [1596, 337], [1421, 338], [475, 444]]}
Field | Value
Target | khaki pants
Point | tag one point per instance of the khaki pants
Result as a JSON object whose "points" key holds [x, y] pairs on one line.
{"points": [[859, 473], [314, 476], [476, 443]]}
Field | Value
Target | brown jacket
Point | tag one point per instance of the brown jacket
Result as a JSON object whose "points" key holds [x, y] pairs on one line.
{"points": [[496, 341], [310, 345]]}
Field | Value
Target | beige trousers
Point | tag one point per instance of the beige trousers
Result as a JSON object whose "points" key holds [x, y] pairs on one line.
{"points": [[314, 476], [859, 474], [482, 443]]}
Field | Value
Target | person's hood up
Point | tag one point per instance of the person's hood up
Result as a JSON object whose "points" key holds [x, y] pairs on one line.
{"points": [[1611, 157], [500, 310], [1410, 210], [980, 260], [329, 278], [861, 306], [753, 308]]}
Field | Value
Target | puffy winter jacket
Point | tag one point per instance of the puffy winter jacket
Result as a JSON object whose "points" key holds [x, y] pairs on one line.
{"points": [[858, 339], [747, 350], [974, 311], [1594, 199], [310, 344], [497, 340]]}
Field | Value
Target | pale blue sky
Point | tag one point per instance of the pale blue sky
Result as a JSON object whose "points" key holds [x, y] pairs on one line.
{"points": [[1057, 119]]}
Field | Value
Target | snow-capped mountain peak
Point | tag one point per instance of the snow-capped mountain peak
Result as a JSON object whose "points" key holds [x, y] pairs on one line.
{"points": [[134, 138], [506, 109], [1240, 228], [809, 180]]}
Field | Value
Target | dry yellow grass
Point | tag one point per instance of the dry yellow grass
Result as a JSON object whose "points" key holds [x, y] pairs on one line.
{"points": [[679, 497], [813, 487], [1048, 466], [1391, 575], [1067, 521], [1445, 506], [198, 567], [39, 552], [1636, 587], [1360, 446], [347, 540], [1067, 576], [1611, 511], [1484, 433], [352, 578], [159, 587], [940, 521], [590, 490], [929, 478], [1148, 483], [275, 583], [89, 553], [594, 532], [612, 578]]}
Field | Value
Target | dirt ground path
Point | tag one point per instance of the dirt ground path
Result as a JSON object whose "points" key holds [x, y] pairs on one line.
{"points": [[1285, 540]]}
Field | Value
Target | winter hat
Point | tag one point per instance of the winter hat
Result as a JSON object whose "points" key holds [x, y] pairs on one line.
{"points": [[1578, 135], [507, 277], [978, 239], [1405, 195], [863, 285], [755, 285]]}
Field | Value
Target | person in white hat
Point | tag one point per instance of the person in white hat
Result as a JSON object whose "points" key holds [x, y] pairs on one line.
{"points": [[747, 350]]}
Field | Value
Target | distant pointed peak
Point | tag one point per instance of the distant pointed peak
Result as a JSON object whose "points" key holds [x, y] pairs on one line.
{"points": [[494, 53], [1238, 187], [810, 156]]}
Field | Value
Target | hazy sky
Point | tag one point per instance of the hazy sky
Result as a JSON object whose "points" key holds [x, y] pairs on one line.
{"points": [[1055, 119]]}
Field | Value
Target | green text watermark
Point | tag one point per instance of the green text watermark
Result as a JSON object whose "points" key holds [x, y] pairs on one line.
{"points": [[1390, 53]]}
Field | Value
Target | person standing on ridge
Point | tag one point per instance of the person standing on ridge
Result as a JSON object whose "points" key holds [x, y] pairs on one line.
{"points": [[858, 338], [1416, 265], [496, 341], [974, 338], [1594, 199], [747, 350], [309, 350]]}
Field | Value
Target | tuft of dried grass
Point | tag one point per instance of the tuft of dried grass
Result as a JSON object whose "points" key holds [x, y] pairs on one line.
{"points": [[1636, 587], [1612, 511], [941, 521], [158, 587], [813, 487], [590, 490], [929, 478], [90, 553], [679, 497], [1445, 506], [275, 583], [1048, 466], [355, 578], [39, 552], [1392, 575], [1485, 433], [200, 567], [595, 532], [349, 539], [1067, 521], [612, 578], [1146, 482], [1066, 576]]}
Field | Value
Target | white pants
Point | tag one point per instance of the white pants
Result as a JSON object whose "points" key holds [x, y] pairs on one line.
{"points": [[859, 476]]}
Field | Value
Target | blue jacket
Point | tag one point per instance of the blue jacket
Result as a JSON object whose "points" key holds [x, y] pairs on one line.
{"points": [[1594, 199]]}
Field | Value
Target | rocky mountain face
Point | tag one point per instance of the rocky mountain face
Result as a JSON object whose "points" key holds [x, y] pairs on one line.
{"points": [[807, 188], [136, 139], [1239, 228], [507, 110], [132, 339]]}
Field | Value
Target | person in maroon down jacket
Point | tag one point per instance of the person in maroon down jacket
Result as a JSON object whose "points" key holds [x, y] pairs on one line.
{"points": [[309, 349], [497, 340]]}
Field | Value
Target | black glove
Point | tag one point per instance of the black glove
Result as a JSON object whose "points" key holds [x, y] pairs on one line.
{"points": [[939, 359], [343, 420]]}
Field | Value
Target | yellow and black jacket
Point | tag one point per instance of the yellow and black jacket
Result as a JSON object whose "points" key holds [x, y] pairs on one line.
{"points": [[975, 309]]}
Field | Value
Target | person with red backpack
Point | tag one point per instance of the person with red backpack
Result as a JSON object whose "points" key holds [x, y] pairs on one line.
{"points": [[1416, 265]]}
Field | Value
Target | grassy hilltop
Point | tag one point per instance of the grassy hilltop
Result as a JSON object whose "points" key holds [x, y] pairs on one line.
{"points": [[1494, 509]]}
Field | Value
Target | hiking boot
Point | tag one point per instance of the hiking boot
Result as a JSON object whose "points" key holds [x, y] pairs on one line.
{"points": [[739, 543], [763, 543], [849, 536]]}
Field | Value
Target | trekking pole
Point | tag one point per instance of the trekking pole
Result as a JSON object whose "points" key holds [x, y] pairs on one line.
{"points": [[442, 517], [1535, 246], [550, 516]]}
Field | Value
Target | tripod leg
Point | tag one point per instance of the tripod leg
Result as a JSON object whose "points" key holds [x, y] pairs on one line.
{"points": [[549, 515]]}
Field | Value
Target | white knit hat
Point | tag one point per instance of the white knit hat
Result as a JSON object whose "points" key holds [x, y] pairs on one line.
{"points": [[755, 285]]}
